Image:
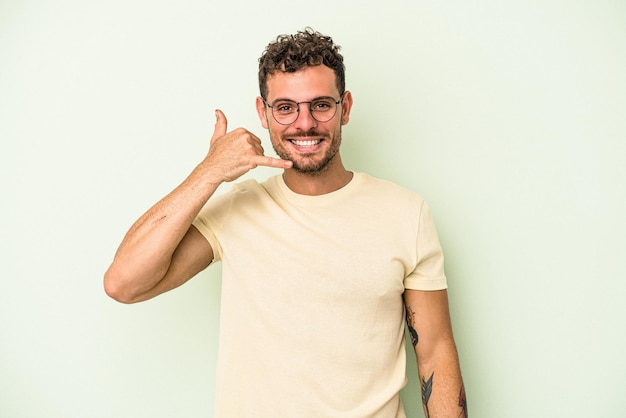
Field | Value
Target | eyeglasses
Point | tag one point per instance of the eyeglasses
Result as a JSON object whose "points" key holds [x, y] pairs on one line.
{"points": [[287, 112]]}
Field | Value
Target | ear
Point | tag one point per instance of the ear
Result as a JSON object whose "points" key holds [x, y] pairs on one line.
{"points": [[346, 107], [261, 110]]}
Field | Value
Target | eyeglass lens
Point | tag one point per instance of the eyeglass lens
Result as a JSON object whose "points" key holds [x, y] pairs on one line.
{"points": [[322, 109]]}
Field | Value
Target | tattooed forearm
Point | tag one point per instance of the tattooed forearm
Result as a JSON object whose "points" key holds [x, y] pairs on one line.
{"points": [[427, 389], [410, 322], [463, 403]]}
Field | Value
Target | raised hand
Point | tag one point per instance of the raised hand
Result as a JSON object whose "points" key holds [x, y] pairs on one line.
{"points": [[234, 153]]}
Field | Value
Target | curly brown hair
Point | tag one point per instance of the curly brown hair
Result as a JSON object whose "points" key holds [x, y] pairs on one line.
{"points": [[291, 53]]}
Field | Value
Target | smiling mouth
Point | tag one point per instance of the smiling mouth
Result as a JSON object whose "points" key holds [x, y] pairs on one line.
{"points": [[305, 143]]}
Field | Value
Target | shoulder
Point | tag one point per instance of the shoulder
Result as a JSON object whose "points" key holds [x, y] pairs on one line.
{"points": [[387, 189], [253, 193], [250, 187]]}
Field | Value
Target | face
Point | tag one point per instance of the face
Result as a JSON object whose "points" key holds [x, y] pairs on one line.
{"points": [[312, 146]]}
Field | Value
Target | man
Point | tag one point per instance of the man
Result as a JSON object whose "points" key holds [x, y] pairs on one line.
{"points": [[321, 266]]}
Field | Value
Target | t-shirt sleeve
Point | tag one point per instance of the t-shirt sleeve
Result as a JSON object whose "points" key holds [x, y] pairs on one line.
{"points": [[209, 220], [429, 270]]}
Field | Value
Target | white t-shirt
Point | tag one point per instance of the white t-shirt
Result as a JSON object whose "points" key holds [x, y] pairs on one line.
{"points": [[312, 316]]}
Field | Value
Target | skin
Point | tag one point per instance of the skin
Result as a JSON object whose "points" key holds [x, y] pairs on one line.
{"points": [[443, 394], [162, 250]]}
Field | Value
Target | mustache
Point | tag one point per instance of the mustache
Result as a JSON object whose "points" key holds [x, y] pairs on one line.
{"points": [[307, 134]]}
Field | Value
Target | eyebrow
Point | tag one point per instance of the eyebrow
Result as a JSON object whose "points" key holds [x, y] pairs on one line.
{"points": [[303, 101]]}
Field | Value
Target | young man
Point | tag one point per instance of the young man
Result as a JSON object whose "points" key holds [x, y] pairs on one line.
{"points": [[321, 266]]}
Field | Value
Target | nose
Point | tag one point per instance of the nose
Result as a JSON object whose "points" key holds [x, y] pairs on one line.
{"points": [[305, 120]]}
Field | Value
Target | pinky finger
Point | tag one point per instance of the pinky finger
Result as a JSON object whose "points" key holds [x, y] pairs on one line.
{"points": [[273, 162]]}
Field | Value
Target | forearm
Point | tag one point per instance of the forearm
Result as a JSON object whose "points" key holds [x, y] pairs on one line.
{"points": [[144, 256], [428, 321], [443, 393]]}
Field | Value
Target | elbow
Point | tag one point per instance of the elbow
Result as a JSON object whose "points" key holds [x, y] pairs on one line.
{"points": [[441, 351], [115, 289]]}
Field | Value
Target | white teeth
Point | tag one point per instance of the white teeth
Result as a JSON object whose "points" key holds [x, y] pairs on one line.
{"points": [[308, 143]]}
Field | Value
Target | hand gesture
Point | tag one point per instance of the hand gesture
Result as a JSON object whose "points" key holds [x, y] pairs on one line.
{"points": [[232, 154]]}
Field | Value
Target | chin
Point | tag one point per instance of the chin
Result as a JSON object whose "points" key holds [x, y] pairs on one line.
{"points": [[313, 167]]}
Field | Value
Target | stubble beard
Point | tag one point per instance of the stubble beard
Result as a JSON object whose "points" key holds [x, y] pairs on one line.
{"points": [[305, 164]]}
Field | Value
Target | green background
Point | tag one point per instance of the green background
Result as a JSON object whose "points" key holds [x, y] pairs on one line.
{"points": [[507, 116]]}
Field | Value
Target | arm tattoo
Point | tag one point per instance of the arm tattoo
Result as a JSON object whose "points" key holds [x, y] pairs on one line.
{"points": [[410, 321], [463, 403], [427, 389]]}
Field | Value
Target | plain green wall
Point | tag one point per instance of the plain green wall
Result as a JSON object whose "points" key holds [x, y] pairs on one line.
{"points": [[507, 116]]}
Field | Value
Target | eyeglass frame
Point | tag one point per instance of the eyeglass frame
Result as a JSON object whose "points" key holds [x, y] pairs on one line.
{"points": [[271, 106]]}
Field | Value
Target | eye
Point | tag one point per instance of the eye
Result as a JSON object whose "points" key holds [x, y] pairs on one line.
{"points": [[322, 105], [285, 107]]}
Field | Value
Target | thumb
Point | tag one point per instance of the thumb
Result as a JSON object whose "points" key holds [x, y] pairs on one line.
{"points": [[220, 125]]}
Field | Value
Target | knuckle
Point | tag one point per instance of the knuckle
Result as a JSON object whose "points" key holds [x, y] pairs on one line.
{"points": [[242, 132]]}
